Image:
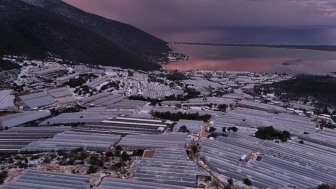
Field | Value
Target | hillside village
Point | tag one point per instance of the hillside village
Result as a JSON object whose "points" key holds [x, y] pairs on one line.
{"points": [[106, 127]]}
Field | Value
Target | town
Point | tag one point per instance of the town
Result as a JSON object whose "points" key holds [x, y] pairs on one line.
{"points": [[70, 125]]}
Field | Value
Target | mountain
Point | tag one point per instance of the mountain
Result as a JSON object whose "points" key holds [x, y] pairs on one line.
{"points": [[40, 27]]}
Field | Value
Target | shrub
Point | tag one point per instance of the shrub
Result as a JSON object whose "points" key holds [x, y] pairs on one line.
{"points": [[92, 169], [3, 176], [269, 133], [35, 157], [139, 152], [46, 160], [227, 187], [125, 157], [230, 181], [118, 148], [247, 181], [180, 115], [109, 154], [323, 186], [215, 184], [212, 129]]}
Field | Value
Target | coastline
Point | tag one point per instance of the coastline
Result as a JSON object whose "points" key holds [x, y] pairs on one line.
{"points": [[329, 48]]}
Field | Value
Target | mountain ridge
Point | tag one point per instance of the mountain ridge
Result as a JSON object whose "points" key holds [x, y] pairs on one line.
{"points": [[35, 27]]}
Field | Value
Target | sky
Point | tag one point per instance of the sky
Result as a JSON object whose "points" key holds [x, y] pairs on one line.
{"points": [[225, 21]]}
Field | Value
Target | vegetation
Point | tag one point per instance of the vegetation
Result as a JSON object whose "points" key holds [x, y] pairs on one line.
{"points": [[130, 73], [230, 181], [125, 157], [323, 186], [215, 184], [184, 129], [55, 112], [180, 115], [269, 133], [227, 187], [139, 152], [247, 181], [35, 32], [18, 88], [80, 80], [153, 102], [109, 154], [303, 87], [96, 161], [46, 160], [3, 176], [174, 97], [92, 169], [222, 107], [234, 129], [8, 65], [176, 76], [212, 129], [191, 93], [112, 84]]}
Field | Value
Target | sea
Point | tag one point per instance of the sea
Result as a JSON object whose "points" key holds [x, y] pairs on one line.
{"points": [[254, 59]]}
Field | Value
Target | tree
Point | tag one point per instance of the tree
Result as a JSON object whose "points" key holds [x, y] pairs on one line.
{"points": [[215, 184], [222, 107], [325, 110], [184, 129], [109, 154], [47, 160], [269, 133], [227, 187], [231, 106], [153, 102], [234, 129], [286, 134], [92, 169], [139, 152], [118, 148], [247, 181], [212, 129], [230, 181], [334, 112], [3, 176], [323, 186], [10, 160], [124, 156], [224, 129]]}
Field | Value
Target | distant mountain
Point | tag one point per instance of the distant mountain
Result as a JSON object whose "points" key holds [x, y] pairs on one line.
{"points": [[308, 47], [39, 27]]}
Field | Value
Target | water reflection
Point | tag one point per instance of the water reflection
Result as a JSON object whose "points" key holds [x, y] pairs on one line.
{"points": [[255, 59]]}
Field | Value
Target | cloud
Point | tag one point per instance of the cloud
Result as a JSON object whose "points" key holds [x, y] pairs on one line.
{"points": [[203, 18]]}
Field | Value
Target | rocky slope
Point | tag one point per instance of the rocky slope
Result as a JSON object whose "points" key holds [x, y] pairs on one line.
{"points": [[40, 27]]}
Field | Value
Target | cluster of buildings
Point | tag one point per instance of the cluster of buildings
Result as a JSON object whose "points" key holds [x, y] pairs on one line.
{"points": [[178, 153]]}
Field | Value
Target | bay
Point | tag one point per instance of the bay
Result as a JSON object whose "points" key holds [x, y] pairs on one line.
{"points": [[254, 59]]}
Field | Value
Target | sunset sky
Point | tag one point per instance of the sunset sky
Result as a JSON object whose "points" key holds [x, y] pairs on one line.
{"points": [[225, 21]]}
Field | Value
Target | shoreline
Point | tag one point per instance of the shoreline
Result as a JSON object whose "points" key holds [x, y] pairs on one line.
{"points": [[328, 48]]}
